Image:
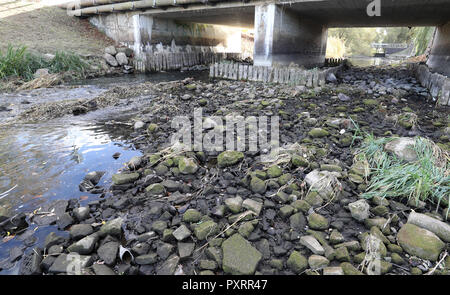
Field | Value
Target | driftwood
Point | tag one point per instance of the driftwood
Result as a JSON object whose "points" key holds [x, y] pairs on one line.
{"points": [[441, 229]]}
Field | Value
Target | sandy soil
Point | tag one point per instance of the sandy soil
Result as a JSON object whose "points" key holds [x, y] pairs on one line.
{"points": [[46, 29]]}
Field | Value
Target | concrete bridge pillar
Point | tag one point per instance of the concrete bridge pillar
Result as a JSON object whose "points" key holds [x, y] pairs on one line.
{"points": [[281, 38], [439, 60]]}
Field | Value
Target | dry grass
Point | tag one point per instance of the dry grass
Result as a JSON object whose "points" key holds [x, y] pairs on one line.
{"points": [[47, 29]]}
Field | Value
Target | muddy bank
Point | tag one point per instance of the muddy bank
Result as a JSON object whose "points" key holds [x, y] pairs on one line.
{"points": [[215, 212]]}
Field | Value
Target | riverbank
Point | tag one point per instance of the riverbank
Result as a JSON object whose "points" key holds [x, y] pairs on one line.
{"points": [[70, 47], [173, 211]]}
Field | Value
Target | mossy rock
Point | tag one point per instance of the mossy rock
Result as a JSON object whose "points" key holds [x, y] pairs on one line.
{"points": [[420, 242], [274, 171], [125, 178], [192, 215], [350, 270], [299, 161], [284, 179], [152, 128], [206, 229], [202, 102], [297, 262], [191, 87], [318, 222], [257, 185], [318, 133], [239, 256], [187, 165], [229, 158], [153, 159], [358, 110], [155, 189], [370, 102]]}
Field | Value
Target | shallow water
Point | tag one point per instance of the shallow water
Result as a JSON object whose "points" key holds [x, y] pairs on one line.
{"points": [[47, 161], [44, 163], [373, 61]]}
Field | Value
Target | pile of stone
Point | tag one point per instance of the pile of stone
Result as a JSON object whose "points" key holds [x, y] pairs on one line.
{"points": [[119, 57]]}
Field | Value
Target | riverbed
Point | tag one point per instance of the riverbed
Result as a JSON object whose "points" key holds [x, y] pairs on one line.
{"points": [[46, 161]]}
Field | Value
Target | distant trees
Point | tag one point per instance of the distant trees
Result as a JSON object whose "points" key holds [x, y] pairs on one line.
{"points": [[357, 41]]}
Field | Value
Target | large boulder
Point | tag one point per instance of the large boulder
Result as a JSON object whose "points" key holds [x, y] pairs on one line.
{"points": [[420, 242], [111, 50], [121, 58], [111, 60], [239, 256], [403, 148]]}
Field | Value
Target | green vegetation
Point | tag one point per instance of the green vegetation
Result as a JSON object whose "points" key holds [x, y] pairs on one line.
{"points": [[357, 41], [19, 62], [427, 178], [421, 37]]}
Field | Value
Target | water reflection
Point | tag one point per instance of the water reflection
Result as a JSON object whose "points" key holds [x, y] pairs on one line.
{"points": [[45, 162], [367, 61]]}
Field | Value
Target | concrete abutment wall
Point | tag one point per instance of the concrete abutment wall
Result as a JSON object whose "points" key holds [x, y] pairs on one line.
{"points": [[439, 60], [281, 38], [164, 44]]}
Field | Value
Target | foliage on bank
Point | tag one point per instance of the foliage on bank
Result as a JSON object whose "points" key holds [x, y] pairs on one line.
{"points": [[19, 62]]}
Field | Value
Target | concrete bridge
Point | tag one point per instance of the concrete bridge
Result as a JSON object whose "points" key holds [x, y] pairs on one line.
{"points": [[284, 31]]}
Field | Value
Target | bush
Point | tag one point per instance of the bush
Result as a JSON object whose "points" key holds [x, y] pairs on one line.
{"points": [[18, 62]]}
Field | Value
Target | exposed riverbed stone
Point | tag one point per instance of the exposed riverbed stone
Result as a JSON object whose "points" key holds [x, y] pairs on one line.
{"points": [[85, 245], [181, 233], [322, 182], [359, 209], [192, 215], [108, 252], [297, 262], [318, 132], [78, 231], [239, 256], [252, 205], [420, 242], [234, 204], [257, 185], [124, 178], [112, 227], [155, 189], [206, 229], [229, 158], [317, 221], [403, 148], [317, 262], [312, 244], [187, 165], [69, 263]]}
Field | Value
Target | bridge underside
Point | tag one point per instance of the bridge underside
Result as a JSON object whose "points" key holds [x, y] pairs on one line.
{"points": [[296, 31], [330, 13]]}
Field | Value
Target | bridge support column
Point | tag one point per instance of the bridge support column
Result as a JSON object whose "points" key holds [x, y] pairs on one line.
{"points": [[439, 60], [281, 38]]}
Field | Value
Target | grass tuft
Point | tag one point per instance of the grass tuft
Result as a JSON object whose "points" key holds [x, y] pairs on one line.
{"points": [[19, 62], [427, 179]]}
